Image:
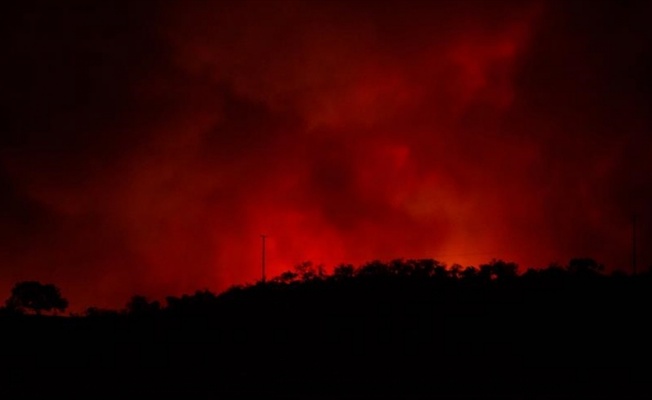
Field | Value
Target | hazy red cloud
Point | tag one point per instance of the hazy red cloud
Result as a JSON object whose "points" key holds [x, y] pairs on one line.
{"points": [[145, 149]]}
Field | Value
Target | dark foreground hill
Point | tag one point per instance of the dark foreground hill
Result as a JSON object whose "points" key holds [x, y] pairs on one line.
{"points": [[536, 336]]}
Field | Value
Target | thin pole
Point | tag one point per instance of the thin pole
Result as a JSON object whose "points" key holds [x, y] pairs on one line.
{"points": [[634, 244], [263, 237]]}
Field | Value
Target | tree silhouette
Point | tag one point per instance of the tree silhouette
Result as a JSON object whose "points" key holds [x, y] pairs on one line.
{"points": [[456, 271], [344, 271], [139, 305], [36, 297], [469, 273], [286, 277], [585, 266], [96, 312]]}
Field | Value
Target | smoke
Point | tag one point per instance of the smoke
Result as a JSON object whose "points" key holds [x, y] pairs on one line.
{"points": [[146, 147]]}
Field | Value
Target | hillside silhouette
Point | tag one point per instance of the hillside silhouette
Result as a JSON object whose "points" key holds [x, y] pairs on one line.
{"points": [[404, 328]]}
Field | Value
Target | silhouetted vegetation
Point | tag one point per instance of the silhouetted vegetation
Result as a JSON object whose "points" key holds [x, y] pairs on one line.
{"points": [[35, 297], [401, 328]]}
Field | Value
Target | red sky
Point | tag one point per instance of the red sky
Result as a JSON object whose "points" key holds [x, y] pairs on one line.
{"points": [[145, 147]]}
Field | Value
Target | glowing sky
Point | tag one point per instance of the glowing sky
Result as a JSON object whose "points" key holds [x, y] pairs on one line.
{"points": [[145, 147]]}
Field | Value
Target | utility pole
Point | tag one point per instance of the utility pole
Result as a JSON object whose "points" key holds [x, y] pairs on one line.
{"points": [[634, 244], [263, 237]]}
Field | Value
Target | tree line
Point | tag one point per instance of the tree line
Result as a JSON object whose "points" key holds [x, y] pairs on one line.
{"points": [[33, 297]]}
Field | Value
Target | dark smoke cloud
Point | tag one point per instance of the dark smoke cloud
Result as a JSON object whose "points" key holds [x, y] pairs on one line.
{"points": [[145, 147]]}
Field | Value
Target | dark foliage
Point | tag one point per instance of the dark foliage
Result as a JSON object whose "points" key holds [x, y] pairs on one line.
{"points": [[403, 329], [36, 297], [140, 306]]}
